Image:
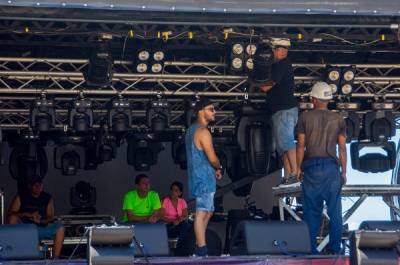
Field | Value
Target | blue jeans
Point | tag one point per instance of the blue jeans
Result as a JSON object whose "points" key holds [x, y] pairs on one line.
{"points": [[284, 122], [322, 182], [205, 202]]}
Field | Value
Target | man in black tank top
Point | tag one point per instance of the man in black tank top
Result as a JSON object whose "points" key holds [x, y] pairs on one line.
{"points": [[34, 206]]}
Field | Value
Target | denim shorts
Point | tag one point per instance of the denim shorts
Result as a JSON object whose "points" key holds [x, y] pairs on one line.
{"points": [[205, 202], [284, 123], [48, 232]]}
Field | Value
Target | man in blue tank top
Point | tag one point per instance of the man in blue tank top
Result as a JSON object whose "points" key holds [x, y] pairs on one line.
{"points": [[203, 170]]}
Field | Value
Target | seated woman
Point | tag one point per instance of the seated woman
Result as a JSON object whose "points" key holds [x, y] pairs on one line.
{"points": [[175, 212]]}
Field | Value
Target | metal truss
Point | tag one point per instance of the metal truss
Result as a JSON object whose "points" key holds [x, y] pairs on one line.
{"points": [[56, 32], [24, 79]]}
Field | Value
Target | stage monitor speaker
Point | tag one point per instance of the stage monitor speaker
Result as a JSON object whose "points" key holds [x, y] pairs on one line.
{"points": [[19, 242], [152, 239], [110, 245], [380, 225], [374, 247], [270, 237]]}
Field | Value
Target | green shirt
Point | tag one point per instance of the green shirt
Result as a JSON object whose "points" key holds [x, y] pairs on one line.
{"points": [[140, 206]]}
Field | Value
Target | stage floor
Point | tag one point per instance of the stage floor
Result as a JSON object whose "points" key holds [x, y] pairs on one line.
{"points": [[230, 260]]}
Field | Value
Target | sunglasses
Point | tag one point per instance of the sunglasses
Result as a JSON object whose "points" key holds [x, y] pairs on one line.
{"points": [[212, 109]]}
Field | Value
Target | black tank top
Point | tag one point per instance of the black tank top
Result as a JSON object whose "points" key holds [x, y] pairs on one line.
{"points": [[30, 204]]}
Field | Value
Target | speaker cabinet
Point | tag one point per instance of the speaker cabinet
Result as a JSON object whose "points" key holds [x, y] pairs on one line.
{"points": [[270, 237], [374, 247], [19, 242]]}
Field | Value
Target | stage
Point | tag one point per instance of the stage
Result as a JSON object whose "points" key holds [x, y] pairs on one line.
{"points": [[231, 260]]}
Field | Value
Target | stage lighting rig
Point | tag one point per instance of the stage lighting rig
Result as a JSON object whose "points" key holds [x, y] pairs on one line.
{"points": [[142, 152], [373, 161], [158, 115], [69, 158], [380, 124], [263, 59], [107, 147], [120, 115], [82, 197], [189, 115], [42, 114], [353, 122], [99, 72], [81, 115]]}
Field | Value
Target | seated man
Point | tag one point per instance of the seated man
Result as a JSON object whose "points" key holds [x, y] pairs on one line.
{"points": [[142, 204], [37, 207]]}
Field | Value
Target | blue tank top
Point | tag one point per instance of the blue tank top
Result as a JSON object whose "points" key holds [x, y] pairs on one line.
{"points": [[201, 173]]}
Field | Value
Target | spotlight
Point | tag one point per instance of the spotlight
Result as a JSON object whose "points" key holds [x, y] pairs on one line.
{"points": [[158, 115], [237, 57], [69, 158], [346, 89], [82, 197], [353, 122], [237, 48], [141, 68], [28, 160], [179, 152], [158, 55], [157, 62], [250, 63], [373, 162], [349, 74], [99, 73], [347, 80], [251, 49], [379, 125], [70, 162], [262, 61], [143, 55], [254, 137], [332, 78], [119, 115], [156, 68], [142, 61], [43, 115], [81, 115], [189, 115], [107, 148], [142, 152]]}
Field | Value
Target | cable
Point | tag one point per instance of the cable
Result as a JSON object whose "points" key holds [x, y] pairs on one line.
{"points": [[141, 248], [79, 243]]}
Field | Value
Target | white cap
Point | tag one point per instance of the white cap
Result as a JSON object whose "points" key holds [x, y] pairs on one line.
{"points": [[321, 90], [280, 42]]}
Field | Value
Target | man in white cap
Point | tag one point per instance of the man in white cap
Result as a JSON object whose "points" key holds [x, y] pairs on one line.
{"points": [[319, 131], [283, 106]]}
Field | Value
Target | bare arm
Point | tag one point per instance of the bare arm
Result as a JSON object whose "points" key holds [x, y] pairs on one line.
{"points": [[301, 140], [157, 215], [134, 218], [266, 87], [49, 213], [343, 156], [13, 212], [203, 137]]}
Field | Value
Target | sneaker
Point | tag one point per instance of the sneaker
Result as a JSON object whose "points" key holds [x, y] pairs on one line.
{"points": [[290, 181], [201, 251]]}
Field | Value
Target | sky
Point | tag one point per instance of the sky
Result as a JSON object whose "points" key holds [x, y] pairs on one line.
{"points": [[373, 208]]}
